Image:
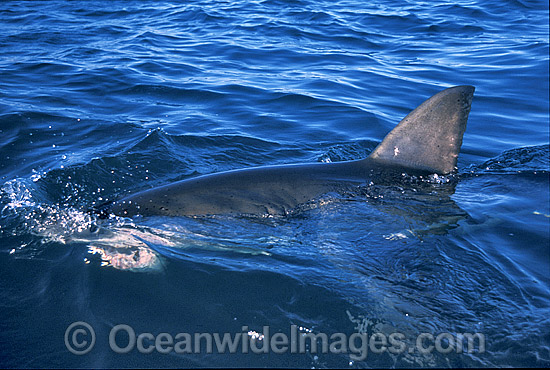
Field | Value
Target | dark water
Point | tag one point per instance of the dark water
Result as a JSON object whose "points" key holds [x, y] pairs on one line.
{"points": [[100, 99]]}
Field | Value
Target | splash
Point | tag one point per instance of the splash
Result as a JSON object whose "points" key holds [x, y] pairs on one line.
{"points": [[116, 242]]}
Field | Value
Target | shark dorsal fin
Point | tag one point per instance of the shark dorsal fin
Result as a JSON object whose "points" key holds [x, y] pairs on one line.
{"points": [[429, 138]]}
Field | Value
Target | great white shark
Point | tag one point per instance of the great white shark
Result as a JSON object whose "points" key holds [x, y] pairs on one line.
{"points": [[426, 141]]}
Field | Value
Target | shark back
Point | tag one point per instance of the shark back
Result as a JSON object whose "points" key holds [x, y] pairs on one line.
{"points": [[426, 140]]}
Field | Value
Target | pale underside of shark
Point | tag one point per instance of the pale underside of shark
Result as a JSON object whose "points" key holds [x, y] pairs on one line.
{"points": [[426, 141]]}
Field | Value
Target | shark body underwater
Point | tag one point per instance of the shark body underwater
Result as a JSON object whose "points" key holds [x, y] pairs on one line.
{"points": [[427, 141]]}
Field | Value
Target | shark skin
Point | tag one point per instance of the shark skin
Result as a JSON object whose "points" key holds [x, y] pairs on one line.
{"points": [[426, 141]]}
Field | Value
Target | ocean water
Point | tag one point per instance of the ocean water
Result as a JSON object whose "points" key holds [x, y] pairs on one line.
{"points": [[100, 99]]}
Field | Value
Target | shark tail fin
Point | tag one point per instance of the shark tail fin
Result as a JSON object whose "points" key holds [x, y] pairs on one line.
{"points": [[429, 138]]}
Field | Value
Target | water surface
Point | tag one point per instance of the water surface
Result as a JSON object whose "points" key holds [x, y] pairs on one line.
{"points": [[101, 99]]}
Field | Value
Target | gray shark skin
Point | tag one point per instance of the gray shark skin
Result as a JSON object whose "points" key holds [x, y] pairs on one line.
{"points": [[426, 141]]}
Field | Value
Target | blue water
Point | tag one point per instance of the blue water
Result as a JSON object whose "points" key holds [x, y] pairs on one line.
{"points": [[99, 99]]}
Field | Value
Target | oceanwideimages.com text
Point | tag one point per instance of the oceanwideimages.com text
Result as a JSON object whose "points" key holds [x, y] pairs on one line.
{"points": [[80, 339]]}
